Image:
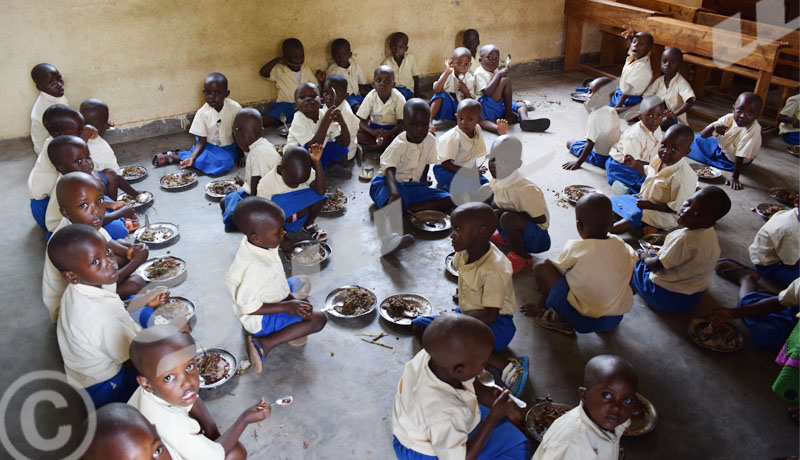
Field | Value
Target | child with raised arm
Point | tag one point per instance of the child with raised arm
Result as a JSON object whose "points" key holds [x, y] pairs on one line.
{"points": [[602, 128], [51, 91], [574, 298], [673, 89], [314, 125], [592, 430], [454, 85], [95, 112], [789, 118], [670, 181], [262, 296], [637, 146], [168, 397], [381, 112], [287, 71], [334, 94], [470, 41], [441, 411], [460, 147], [122, 432], [733, 141], [404, 65], [637, 72], [674, 278], [344, 65]]}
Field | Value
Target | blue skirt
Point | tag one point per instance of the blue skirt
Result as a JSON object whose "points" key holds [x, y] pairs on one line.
{"points": [[118, 388], [449, 106], [659, 298], [503, 328], [771, 330], [557, 300], [354, 99], [274, 323], [410, 192], [278, 108], [407, 93], [214, 159], [39, 209], [293, 202], [625, 207], [629, 101], [536, 240], [445, 177], [142, 316], [231, 200], [778, 272], [707, 151], [576, 148], [616, 171], [492, 110], [332, 153], [792, 138]]}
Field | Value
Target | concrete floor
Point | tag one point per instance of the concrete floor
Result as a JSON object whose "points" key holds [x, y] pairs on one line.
{"points": [[710, 405]]}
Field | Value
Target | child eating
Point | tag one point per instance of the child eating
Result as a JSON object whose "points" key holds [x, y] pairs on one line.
{"points": [[636, 147], [356, 86], [673, 89], [602, 128], [123, 433], [460, 147], [312, 125], [334, 93], [453, 86], [381, 112], [51, 91], [95, 112], [637, 72], [262, 296], [288, 72], [404, 65]]}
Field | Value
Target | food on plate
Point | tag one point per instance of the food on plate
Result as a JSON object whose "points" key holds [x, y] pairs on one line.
{"points": [[133, 172], [175, 308], [222, 187], [706, 172], [401, 308], [336, 201], [163, 268], [356, 301], [178, 179], [212, 367], [155, 235]]}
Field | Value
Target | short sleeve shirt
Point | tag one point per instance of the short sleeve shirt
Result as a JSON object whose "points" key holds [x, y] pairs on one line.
{"points": [[518, 194], [602, 128], [671, 185], [688, 257], [485, 283], [216, 127], [739, 141], [379, 112], [409, 159], [674, 96], [778, 240], [462, 150], [261, 159], [353, 74], [405, 72], [638, 142], [287, 81]]}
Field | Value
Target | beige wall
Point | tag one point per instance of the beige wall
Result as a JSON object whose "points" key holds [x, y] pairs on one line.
{"points": [[147, 59]]}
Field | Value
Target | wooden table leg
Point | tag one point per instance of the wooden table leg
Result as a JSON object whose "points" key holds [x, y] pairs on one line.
{"points": [[655, 58], [762, 86], [572, 43], [726, 81], [607, 50], [699, 81]]}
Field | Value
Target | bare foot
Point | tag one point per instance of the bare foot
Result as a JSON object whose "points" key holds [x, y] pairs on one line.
{"points": [[533, 310], [734, 271], [502, 126]]}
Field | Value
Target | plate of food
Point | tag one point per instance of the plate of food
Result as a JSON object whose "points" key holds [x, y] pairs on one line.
{"points": [[653, 242], [133, 173], [157, 235], [310, 252], [723, 338], [139, 203], [579, 96], [216, 189], [543, 414], [216, 366], [706, 172], [784, 195], [350, 302], [430, 221], [573, 193], [402, 308], [178, 181], [163, 271], [335, 204], [643, 417], [174, 307], [767, 210], [448, 264]]}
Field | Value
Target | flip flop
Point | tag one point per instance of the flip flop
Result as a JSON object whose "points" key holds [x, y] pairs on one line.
{"points": [[256, 354], [316, 233], [366, 174], [298, 342], [726, 273], [528, 105], [168, 157], [515, 374], [549, 319], [498, 240], [537, 125]]}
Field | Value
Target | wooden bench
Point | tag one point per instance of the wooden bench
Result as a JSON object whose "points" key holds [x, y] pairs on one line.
{"points": [[789, 52], [675, 10]]}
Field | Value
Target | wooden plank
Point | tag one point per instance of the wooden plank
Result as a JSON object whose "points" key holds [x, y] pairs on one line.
{"points": [[572, 43], [676, 10], [769, 31], [734, 69], [609, 13], [747, 8]]}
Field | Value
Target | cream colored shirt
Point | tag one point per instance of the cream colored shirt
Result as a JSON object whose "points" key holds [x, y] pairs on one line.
{"points": [[102, 155], [671, 185], [216, 127], [353, 74], [261, 159], [409, 159], [599, 274], [379, 112], [476, 64], [739, 141], [451, 86], [404, 73], [256, 277], [574, 436], [272, 184], [94, 333], [43, 176], [38, 131], [52, 215], [790, 109], [286, 81], [778, 240], [518, 194], [430, 416], [485, 283], [688, 257], [461, 149], [675, 95], [178, 430], [636, 75], [352, 122], [303, 130], [638, 142], [482, 80], [602, 128], [790, 297]]}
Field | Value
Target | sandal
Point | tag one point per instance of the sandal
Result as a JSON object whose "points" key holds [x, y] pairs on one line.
{"points": [[169, 157], [549, 319], [366, 174], [256, 354], [498, 240], [537, 125], [298, 342], [316, 233], [726, 268], [515, 374]]}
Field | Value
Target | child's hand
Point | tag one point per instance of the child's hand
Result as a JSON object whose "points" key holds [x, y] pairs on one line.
{"points": [[320, 75], [628, 161], [187, 163], [503, 405], [503, 72], [336, 115], [734, 183], [257, 413], [462, 87], [502, 126], [157, 296], [628, 33], [138, 253], [299, 307], [645, 204], [721, 316], [238, 181], [89, 132], [669, 114], [719, 128], [114, 205], [483, 169], [241, 162], [378, 132], [128, 211], [315, 150], [448, 65]]}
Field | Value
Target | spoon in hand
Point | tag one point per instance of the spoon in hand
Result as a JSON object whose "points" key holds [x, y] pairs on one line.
{"points": [[486, 379], [508, 60], [283, 120]]}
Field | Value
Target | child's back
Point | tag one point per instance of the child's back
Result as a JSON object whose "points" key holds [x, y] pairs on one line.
{"points": [[671, 185], [776, 247]]}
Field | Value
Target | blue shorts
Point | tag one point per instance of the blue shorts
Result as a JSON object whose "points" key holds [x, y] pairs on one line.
{"points": [[445, 177], [707, 151], [625, 207], [274, 323], [449, 106], [278, 108], [354, 99], [293, 202], [616, 171], [629, 101], [778, 272], [410, 192], [383, 127], [792, 138], [407, 93], [557, 300], [492, 110], [771, 330], [536, 240], [39, 209], [659, 298], [576, 148], [142, 316], [231, 200], [503, 329], [214, 159], [332, 153], [118, 388], [116, 228]]}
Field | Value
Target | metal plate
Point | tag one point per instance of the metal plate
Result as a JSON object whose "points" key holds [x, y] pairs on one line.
{"points": [[448, 264], [336, 298], [653, 242], [189, 303], [430, 221], [709, 173], [702, 321], [155, 227], [425, 307], [139, 207], [132, 177], [645, 424], [324, 251], [582, 188], [227, 356], [168, 282], [216, 196], [794, 150], [767, 210], [178, 188], [579, 97], [784, 195], [334, 212], [530, 418]]}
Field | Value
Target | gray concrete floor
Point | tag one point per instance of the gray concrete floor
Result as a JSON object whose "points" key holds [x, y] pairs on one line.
{"points": [[710, 405]]}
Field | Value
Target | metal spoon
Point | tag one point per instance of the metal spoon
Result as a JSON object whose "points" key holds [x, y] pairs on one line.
{"points": [[283, 120], [333, 98], [285, 401], [486, 379], [508, 60]]}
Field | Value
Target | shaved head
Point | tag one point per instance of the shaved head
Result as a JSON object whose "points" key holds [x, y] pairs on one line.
{"points": [[684, 134], [478, 212], [122, 433], [159, 348], [59, 118], [486, 49], [91, 105], [469, 104], [718, 202], [593, 213], [253, 213], [415, 105], [63, 146], [64, 242], [42, 70], [461, 51], [249, 121], [216, 77], [453, 339], [606, 368], [73, 181]]}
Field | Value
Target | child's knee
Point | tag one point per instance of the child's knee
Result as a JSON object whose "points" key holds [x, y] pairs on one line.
{"points": [[510, 222], [318, 320], [237, 453], [543, 268]]}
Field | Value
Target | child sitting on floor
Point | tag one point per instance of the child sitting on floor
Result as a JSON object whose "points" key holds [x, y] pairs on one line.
{"points": [[789, 119], [123, 433], [460, 147], [343, 64], [674, 278], [261, 158], [574, 297], [775, 251], [673, 89], [334, 94], [262, 296], [602, 128], [470, 41], [297, 185], [404, 65], [288, 72], [441, 410], [594, 428], [519, 205], [168, 397], [51, 91], [313, 125], [94, 325], [733, 141], [636, 148], [381, 112], [637, 72], [95, 112], [454, 85], [670, 181]]}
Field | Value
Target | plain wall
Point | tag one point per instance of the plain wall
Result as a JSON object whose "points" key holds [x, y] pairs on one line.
{"points": [[147, 59]]}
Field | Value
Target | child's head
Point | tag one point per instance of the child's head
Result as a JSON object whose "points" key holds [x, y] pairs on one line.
{"points": [[307, 98], [747, 108], [164, 357], [652, 112], [69, 154], [338, 82], [704, 208], [293, 54], [600, 92], [671, 60], [593, 216], [642, 42], [82, 256], [248, 126], [505, 156], [123, 433], [60, 119], [459, 346], [48, 79], [383, 81], [462, 59], [340, 52], [416, 118], [398, 44], [676, 144], [295, 166], [489, 57], [471, 40], [473, 225], [609, 390], [81, 199], [260, 220], [468, 115], [95, 113], [215, 90]]}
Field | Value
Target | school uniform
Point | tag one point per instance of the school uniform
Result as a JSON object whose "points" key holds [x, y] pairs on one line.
{"points": [[776, 248], [490, 109], [352, 122], [641, 144], [433, 420], [38, 131], [674, 96], [688, 257], [409, 160], [53, 216], [384, 115], [463, 151], [636, 75], [790, 134], [404, 73], [587, 301], [516, 193], [261, 159], [303, 130], [219, 154], [180, 433], [354, 76], [451, 96], [41, 180], [602, 128], [722, 150], [102, 154], [291, 200], [771, 330], [286, 82], [575, 436]]}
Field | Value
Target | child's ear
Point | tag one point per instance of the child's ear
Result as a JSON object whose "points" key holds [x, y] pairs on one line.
{"points": [[581, 394], [144, 383], [71, 277], [63, 212], [227, 93], [60, 169], [253, 238], [458, 370]]}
